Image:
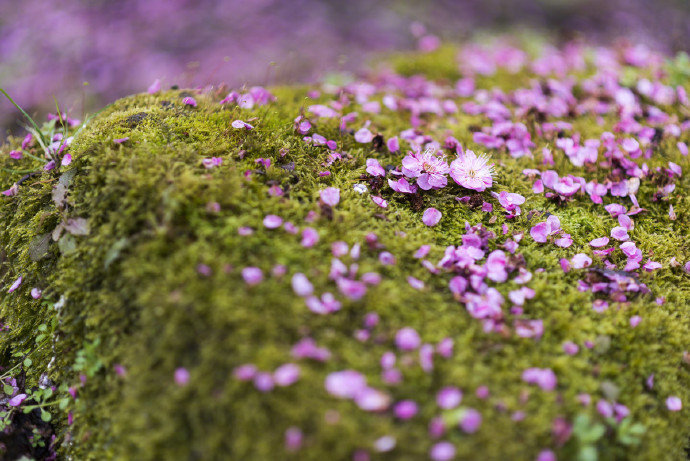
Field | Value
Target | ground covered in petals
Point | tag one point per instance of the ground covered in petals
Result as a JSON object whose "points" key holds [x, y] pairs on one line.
{"points": [[482, 253]]}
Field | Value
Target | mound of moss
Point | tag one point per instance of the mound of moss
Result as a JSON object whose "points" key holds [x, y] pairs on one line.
{"points": [[146, 312]]}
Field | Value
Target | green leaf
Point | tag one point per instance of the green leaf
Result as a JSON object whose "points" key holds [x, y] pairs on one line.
{"points": [[7, 389], [45, 416], [67, 244], [27, 362], [588, 453], [63, 403]]}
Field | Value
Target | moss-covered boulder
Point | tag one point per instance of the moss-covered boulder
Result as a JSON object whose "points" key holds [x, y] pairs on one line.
{"points": [[159, 314]]}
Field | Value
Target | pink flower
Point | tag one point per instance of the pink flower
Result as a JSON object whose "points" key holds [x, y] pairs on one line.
{"points": [[286, 375], [674, 403], [252, 275], [272, 221], [407, 339], [580, 261], [310, 237], [240, 124], [374, 168], [16, 284], [651, 265], [370, 399], [620, 233], [402, 186], [351, 289], [189, 101], [244, 372], [301, 285], [564, 242], [181, 376], [345, 384], [393, 144], [449, 397], [263, 381], [293, 438], [543, 377], [380, 201], [570, 348], [415, 283], [599, 242], [36, 293], [330, 196], [496, 266], [17, 400], [442, 451], [546, 455], [431, 217], [472, 172], [429, 169], [471, 421], [405, 409], [509, 200], [363, 135], [635, 320], [540, 232]]}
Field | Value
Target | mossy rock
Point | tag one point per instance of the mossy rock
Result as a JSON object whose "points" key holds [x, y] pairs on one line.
{"points": [[127, 304]]}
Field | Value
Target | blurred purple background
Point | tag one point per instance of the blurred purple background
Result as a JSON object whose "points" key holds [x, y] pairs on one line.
{"points": [[51, 48]]}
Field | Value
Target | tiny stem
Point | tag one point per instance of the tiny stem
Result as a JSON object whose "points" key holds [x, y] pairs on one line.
{"points": [[21, 110]]}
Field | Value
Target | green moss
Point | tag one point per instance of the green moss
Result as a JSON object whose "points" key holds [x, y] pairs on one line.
{"points": [[132, 294]]}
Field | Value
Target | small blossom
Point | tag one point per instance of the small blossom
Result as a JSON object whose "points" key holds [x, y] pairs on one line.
{"points": [[293, 438], [429, 169], [301, 285], [431, 217], [181, 376], [407, 339], [272, 221], [471, 421], [189, 101], [310, 237], [263, 381], [374, 168], [599, 242], [415, 283], [393, 144], [330, 196], [570, 348], [405, 409], [448, 398], [17, 400], [240, 124], [364, 136], [543, 377], [674, 403], [442, 451], [286, 375], [380, 201], [580, 261], [472, 172], [252, 275], [620, 233], [15, 284]]}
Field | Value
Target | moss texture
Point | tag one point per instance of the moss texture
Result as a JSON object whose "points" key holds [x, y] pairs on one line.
{"points": [[132, 296]]}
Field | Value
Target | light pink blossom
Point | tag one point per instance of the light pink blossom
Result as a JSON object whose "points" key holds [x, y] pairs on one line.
{"points": [[472, 172], [431, 217]]}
